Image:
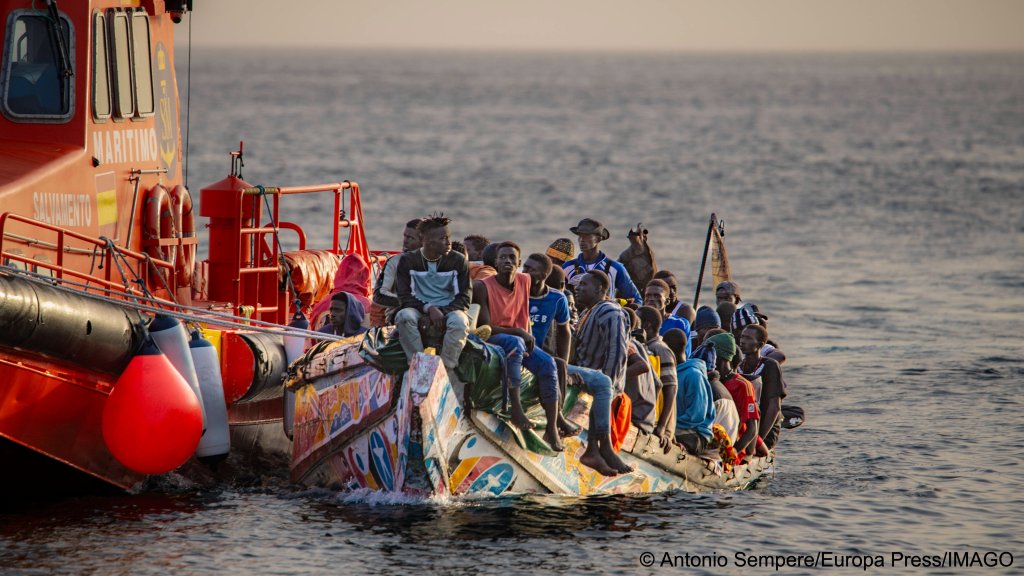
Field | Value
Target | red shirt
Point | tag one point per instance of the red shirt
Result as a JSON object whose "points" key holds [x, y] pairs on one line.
{"points": [[509, 308], [746, 402]]}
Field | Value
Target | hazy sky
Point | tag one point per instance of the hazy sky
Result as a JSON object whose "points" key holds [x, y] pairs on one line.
{"points": [[687, 25]]}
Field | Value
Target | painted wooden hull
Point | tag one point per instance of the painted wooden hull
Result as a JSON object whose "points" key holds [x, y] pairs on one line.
{"points": [[357, 427]]}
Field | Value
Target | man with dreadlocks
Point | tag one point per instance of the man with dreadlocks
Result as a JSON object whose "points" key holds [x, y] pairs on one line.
{"points": [[433, 286]]}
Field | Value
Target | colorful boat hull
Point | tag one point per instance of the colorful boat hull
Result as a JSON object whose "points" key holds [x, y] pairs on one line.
{"points": [[362, 428]]}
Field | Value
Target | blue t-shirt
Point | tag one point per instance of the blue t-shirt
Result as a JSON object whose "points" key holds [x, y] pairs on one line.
{"points": [[551, 306], [671, 321]]}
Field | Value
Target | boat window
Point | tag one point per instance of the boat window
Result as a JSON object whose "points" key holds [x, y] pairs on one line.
{"points": [[143, 68], [100, 78], [124, 101], [38, 62]]}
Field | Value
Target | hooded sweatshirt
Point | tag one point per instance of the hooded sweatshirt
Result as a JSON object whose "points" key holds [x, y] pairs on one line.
{"points": [[695, 408], [353, 277], [354, 314]]}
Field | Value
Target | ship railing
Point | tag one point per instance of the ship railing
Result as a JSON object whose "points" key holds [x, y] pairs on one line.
{"points": [[114, 270], [260, 291]]}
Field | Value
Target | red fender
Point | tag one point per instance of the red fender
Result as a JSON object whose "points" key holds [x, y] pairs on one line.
{"points": [[186, 253]]}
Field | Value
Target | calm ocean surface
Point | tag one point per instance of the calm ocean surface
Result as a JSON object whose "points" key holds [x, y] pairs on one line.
{"points": [[874, 208]]}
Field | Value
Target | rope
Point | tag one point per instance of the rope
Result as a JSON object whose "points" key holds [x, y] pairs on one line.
{"points": [[187, 313], [188, 96]]}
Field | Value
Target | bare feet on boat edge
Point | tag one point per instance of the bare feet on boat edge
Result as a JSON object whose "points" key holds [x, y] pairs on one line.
{"points": [[553, 440], [613, 460], [521, 421], [594, 460], [567, 428]]}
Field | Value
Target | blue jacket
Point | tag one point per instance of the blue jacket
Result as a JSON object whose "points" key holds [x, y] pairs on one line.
{"points": [[622, 285], [695, 406]]}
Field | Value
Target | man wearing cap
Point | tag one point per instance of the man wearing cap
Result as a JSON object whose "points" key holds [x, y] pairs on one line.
{"points": [[591, 233], [560, 251], [706, 319], [743, 395], [728, 291]]}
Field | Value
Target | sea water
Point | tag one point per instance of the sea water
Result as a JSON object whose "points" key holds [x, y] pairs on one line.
{"points": [[873, 207]]}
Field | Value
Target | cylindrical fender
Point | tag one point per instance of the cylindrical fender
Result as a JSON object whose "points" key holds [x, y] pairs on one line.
{"points": [[216, 442], [169, 334], [159, 220]]}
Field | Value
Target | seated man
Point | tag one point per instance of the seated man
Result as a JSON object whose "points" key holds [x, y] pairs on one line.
{"points": [[504, 302], [642, 383], [385, 294], [433, 286], [742, 392], [695, 408], [771, 386], [345, 317], [549, 324], [674, 306], [475, 245], [656, 296], [650, 322], [599, 359]]}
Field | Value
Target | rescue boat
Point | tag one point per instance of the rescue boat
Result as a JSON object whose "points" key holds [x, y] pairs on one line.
{"points": [[98, 242]]}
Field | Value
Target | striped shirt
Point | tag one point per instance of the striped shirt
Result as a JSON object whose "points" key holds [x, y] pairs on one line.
{"points": [[601, 341]]}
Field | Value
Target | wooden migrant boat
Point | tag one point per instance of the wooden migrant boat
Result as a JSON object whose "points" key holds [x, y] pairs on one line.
{"points": [[362, 420]]}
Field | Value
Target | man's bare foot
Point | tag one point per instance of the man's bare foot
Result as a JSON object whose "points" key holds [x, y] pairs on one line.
{"points": [[594, 460], [521, 421], [568, 428], [612, 459], [553, 440]]}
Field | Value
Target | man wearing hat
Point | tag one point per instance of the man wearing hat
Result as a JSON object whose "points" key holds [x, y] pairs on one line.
{"points": [[560, 250], [591, 233], [728, 291]]}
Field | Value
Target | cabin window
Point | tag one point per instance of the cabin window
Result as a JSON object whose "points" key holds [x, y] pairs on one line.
{"points": [[100, 77], [38, 68], [143, 67], [124, 99]]}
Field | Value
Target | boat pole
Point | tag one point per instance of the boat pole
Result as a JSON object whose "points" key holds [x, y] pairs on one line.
{"points": [[704, 259]]}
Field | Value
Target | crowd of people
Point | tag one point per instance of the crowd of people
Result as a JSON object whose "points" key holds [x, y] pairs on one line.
{"points": [[580, 319]]}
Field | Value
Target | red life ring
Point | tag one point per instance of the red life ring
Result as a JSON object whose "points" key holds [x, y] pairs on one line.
{"points": [[160, 220], [186, 253]]}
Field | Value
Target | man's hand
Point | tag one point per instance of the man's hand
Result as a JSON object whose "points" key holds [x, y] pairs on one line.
{"points": [[529, 341], [436, 317]]}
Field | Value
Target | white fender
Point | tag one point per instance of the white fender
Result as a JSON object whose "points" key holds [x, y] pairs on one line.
{"points": [[294, 348], [169, 335], [216, 442]]}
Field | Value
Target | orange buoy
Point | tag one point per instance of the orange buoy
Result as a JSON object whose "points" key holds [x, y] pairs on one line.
{"points": [[152, 421]]}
